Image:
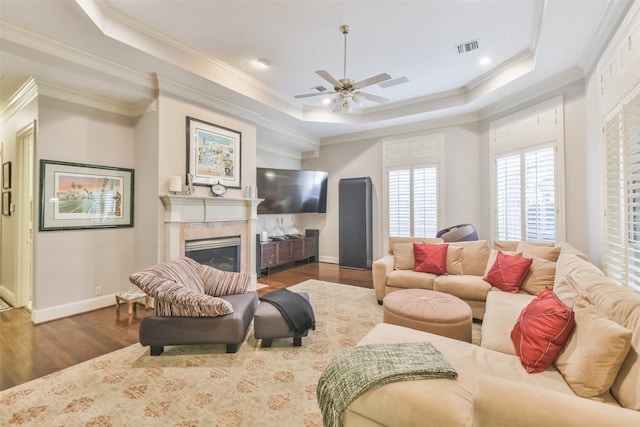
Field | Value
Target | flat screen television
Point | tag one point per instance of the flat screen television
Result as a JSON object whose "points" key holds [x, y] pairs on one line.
{"points": [[288, 191]]}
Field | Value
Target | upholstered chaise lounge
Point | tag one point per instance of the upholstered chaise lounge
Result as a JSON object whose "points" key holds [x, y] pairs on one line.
{"points": [[195, 304]]}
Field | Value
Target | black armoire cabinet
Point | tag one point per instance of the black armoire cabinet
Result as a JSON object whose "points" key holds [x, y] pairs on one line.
{"points": [[355, 228]]}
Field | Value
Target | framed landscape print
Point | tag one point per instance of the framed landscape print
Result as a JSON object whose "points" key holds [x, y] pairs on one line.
{"points": [[76, 196], [213, 154]]}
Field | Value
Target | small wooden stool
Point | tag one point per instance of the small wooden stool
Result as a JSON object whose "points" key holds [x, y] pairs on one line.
{"points": [[130, 298]]}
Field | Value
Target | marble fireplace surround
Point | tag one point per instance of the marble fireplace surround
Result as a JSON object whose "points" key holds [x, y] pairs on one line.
{"points": [[194, 217]]}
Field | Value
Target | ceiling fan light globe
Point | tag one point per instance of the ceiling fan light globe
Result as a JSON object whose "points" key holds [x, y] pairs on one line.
{"points": [[346, 107], [358, 98]]}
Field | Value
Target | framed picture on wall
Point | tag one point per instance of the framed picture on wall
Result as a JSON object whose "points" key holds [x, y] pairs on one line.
{"points": [[213, 154], [6, 203], [6, 175], [76, 196]]}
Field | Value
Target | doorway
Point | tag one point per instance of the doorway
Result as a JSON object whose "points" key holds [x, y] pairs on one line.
{"points": [[25, 141]]}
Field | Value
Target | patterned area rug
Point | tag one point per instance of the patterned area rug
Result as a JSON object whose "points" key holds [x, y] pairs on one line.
{"points": [[192, 386], [202, 385]]}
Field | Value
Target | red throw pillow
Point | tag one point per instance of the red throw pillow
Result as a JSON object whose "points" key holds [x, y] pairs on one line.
{"points": [[508, 272], [430, 258], [541, 331]]}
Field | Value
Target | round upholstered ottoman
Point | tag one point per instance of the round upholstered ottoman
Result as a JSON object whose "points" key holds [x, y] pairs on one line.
{"points": [[429, 311]]}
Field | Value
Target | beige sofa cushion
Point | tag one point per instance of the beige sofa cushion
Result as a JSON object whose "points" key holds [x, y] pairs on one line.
{"points": [[541, 275], [408, 279], [475, 256], [465, 287], [593, 354], [568, 290], [502, 312], [536, 251]]}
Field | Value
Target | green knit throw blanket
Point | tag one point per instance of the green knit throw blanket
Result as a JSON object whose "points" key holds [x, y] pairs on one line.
{"points": [[362, 368]]}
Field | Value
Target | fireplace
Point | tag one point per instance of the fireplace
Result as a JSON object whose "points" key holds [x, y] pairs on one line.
{"points": [[222, 253], [196, 219]]}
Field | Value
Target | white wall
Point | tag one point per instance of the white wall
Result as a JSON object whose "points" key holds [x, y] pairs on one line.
{"points": [[69, 265]]}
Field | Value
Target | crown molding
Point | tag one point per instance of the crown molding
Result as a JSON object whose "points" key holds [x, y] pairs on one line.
{"points": [[50, 46], [23, 96], [610, 21], [120, 27]]}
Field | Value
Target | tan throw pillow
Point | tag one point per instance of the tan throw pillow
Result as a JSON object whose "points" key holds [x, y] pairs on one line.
{"points": [[403, 254], [545, 252], [454, 260], [541, 275], [474, 259], [592, 357], [505, 245]]}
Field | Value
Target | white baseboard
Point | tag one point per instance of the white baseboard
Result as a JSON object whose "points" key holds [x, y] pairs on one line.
{"points": [[7, 295], [77, 307], [329, 259]]}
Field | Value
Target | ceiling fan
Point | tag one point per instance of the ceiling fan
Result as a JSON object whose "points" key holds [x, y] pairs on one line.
{"points": [[348, 89]]}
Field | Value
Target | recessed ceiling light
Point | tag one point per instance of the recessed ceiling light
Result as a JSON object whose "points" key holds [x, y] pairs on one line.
{"points": [[263, 62], [485, 61]]}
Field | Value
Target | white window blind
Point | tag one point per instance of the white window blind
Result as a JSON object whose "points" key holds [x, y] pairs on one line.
{"points": [[413, 201], [526, 195], [622, 194], [509, 217]]}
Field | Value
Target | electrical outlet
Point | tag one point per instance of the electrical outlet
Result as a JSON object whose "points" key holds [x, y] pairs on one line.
{"points": [[98, 290]]}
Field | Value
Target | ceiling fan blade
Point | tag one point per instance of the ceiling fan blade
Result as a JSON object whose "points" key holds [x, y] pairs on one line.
{"points": [[308, 95], [372, 80], [328, 77], [374, 98]]}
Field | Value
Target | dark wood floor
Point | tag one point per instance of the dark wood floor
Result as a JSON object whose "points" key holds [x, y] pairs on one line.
{"points": [[29, 351]]}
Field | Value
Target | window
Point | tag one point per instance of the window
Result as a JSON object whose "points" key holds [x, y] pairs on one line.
{"points": [[413, 201], [622, 194], [526, 201], [527, 150], [413, 188]]}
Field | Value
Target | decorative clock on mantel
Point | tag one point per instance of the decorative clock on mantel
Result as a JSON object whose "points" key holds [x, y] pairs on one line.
{"points": [[218, 189]]}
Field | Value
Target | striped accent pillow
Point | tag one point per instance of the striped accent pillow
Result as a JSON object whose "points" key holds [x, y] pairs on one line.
{"points": [[221, 283]]}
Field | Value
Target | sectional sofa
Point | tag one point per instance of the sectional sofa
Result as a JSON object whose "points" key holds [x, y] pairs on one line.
{"points": [[467, 263], [594, 381]]}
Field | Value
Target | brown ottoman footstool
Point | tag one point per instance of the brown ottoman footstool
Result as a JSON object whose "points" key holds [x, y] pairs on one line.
{"points": [[429, 311], [268, 324]]}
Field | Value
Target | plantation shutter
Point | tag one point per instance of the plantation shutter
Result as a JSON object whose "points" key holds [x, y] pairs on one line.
{"points": [[622, 194], [631, 123], [615, 258], [425, 201], [400, 202], [540, 195], [508, 180], [413, 202]]}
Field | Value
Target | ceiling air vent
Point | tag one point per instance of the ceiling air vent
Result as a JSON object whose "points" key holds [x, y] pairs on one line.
{"points": [[467, 47], [319, 88]]}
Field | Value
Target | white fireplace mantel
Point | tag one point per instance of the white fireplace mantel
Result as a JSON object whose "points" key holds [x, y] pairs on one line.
{"points": [[204, 209], [183, 213]]}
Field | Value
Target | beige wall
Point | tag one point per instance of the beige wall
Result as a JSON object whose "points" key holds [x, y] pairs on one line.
{"points": [[69, 265], [364, 158], [9, 224]]}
